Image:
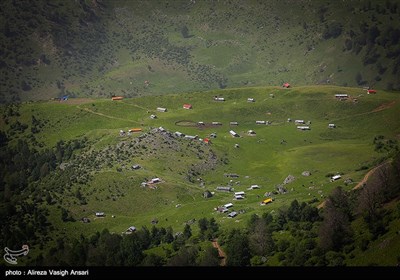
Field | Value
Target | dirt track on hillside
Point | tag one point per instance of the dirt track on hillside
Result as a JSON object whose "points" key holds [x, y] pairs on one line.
{"points": [[361, 183], [221, 253], [384, 106], [366, 177]]}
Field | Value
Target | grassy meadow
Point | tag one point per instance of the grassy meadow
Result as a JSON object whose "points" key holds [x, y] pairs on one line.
{"points": [[277, 150]]}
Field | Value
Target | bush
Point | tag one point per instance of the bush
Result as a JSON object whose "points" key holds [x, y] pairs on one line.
{"points": [[332, 30]]}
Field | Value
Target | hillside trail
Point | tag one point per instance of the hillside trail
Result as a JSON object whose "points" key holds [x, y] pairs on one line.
{"points": [[107, 116], [361, 183], [221, 253], [381, 107], [365, 179], [137, 106]]}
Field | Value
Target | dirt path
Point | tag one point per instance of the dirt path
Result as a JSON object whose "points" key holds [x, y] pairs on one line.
{"points": [[361, 183], [384, 106], [365, 179], [221, 253], [381, 107], [107, 116], [137, 106]]}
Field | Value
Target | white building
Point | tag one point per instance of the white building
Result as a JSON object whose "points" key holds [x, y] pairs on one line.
{"points": [[233, 133], [303, 127], [336, 177], [160, 109]]}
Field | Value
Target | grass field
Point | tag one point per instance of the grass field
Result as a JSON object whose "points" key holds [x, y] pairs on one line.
{"points": [[264, 159]]}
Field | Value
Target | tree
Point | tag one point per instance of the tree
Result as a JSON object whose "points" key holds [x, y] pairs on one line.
{"points": [[169, 235], [130, 252], [152, 260], [209, 257], [187, 232], [294, 211], [260, 239], [237, 249], [186, 256], [203, 225], [332, 30], [335, 229]]}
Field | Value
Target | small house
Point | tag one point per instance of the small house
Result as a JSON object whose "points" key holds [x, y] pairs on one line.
{"points": [[179, 134], [224, 189], [266, 201], [371, 91], [213, 135], [261, 122], [206, 140], [136, 166], [237, 197], [251, 132], [228, 205], [341, 96], [222, 209], [116, 98], [233, 123], [162, 129], [207, 194], [187, 106], [131, 229], [153, 117], [331, 125], [336, 177], [253, 187], [232, 214], [161, 109], [231, 175], [233, 133], [191, 137], [299, 122], [100, 214], [216, 123], [303, 127], [155, 180], [286, 85], [219, 98], [240, 193], [135, 130], [200, 123], [250, 100]]}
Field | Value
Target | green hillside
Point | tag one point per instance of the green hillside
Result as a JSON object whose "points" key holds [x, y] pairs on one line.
{"points": [[69, 159], [140, 48]]}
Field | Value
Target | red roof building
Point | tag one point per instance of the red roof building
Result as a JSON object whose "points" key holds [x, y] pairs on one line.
{"points": [[206, 140], [187, 106], [286, 85], [371, 91]]}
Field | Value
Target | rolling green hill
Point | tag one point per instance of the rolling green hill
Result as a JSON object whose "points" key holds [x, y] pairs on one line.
{"points": [[140, 48], [69, 159]]}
